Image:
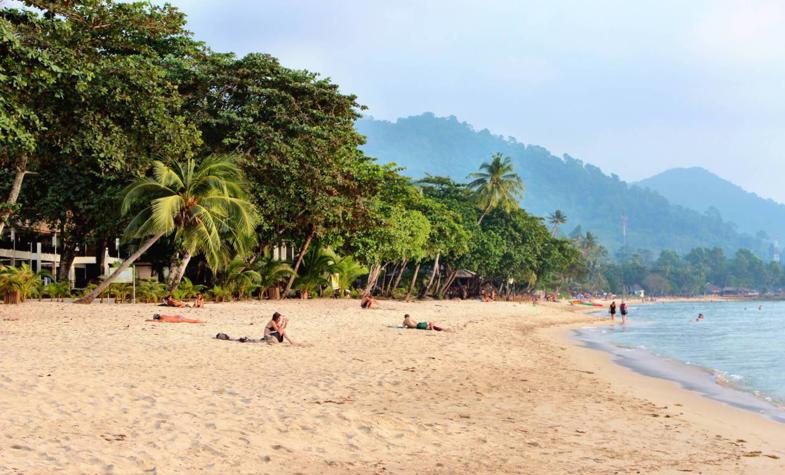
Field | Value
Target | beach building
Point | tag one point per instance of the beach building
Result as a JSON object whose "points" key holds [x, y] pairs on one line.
{"points": [[42, 249]]}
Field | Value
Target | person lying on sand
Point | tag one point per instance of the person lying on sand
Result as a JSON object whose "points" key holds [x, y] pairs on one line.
{"points": [[367, 302], [199, 301], [409, 323], [173, 319], [276, 328], [170, 301]]}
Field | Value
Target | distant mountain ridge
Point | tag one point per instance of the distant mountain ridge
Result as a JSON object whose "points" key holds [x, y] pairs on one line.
{"points": [[701, 190], [427, 144]]}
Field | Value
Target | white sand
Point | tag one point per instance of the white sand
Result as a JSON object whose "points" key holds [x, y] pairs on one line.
{"points": [[96, 389]]}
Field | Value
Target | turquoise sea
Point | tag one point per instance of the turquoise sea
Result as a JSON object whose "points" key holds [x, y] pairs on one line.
{"points": [[736, 354]]}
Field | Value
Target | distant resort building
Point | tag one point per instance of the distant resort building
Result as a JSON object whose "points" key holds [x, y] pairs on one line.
{"points": [[40, 248]]}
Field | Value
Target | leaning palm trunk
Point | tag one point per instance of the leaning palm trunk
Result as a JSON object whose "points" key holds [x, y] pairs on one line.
{"points": [[179, 272], [306, 245], [125, 265], [16, 187], [485, 212], [414, 281], [427, 288]]}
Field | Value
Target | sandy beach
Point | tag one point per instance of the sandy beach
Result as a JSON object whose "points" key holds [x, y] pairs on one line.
{"points": [[97, 389]]}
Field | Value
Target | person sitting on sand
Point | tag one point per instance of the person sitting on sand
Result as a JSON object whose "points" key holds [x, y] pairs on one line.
{"points": [[276, 328], [199, 301], [173, 319], [170, 301], [367, 302], [409, 323]]}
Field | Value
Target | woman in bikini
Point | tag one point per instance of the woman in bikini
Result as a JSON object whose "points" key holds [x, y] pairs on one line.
{"points": [[276, 328]]}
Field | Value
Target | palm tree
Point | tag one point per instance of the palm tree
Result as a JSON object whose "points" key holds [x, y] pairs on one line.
{"points": [[195, 202], [17, 283], [348, 270], [314, 274], [556, 219], [240, 278], [271, 273], [496, 185]]}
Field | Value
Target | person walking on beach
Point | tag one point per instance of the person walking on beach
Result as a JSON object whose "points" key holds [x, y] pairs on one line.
{"points": [[613, 310], [623, 310]]}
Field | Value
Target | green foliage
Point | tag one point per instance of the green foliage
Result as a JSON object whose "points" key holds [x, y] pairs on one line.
{"points": [[151, 291], [496, 185], [18, 283], [315, 271], [241, 278], [220, 294], [57, 290], [186, 290], [196, 202], [296, 133], [270, 271], [694, 273], [120, 292], [348, 271]]}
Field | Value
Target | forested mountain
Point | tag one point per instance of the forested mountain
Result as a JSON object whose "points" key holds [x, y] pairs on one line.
{"points": [[699, 189], [427, 144]]}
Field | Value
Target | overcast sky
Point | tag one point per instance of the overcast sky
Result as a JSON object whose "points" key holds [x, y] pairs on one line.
{"points": [[635, 87]]}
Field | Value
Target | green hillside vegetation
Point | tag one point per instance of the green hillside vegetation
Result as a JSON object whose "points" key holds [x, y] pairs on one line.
{"points": [[589, 198], [716, 196]]}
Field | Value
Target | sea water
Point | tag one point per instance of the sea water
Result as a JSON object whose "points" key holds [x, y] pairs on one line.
{"points": [[735, 354]]}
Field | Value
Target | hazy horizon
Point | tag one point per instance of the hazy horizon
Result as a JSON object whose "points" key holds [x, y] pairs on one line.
{"points": [[632, 88]]}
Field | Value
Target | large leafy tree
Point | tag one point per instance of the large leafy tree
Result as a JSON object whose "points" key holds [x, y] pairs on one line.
{"points": [[496, 185], [111, 110], [27, 73], [296, 133], [197, 203]]}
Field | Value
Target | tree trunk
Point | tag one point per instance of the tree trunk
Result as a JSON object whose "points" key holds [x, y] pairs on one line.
{"points": [[67, 255], [389, 279], [16, 187], [125, 265], [399, 276], [485, 211], [448, 282], [297, 264], [427, 288], [372, 277], [177, 276], [414, 281], [100, 253]]}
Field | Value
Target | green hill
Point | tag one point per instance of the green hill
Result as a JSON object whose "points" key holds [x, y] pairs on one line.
{"points": [[749, 211], [427, 144]]}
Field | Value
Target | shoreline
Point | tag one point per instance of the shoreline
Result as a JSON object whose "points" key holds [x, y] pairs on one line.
{"points": [[98, 389], [699, 379], [721, 417]]}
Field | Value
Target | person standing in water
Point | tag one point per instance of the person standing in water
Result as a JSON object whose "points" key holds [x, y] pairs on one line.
{"points": [[613, 310], [623, 310]]}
